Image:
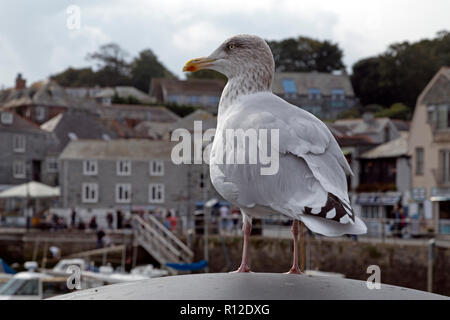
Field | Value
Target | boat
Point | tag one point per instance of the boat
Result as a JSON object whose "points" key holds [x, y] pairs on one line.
{"points": [[150, 271], [33, 285]]}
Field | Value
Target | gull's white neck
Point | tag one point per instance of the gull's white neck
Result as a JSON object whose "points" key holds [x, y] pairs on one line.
{"points": [[247, 83]]}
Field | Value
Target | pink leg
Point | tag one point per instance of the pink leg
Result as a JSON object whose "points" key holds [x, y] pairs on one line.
{"points": [[247, 229], [295, 269]]}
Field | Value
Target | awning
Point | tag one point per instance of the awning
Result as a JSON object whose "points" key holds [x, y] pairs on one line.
{"points": [[378, 200], [441, 198], [4, 268], [31, 189]]}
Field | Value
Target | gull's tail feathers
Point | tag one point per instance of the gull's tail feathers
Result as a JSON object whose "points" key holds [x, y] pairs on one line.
{"points": [[332, 228]]}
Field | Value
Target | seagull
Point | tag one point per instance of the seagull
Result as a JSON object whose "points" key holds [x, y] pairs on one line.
{"points": [[310, 183]]}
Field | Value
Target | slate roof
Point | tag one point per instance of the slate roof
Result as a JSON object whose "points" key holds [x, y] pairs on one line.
{"points": [[304, 81], [125, 92], [136, 111], [161, 87], [47, 93], [392, 149], [82, 124], [208, 120], [360, 126], [132, 149], [20, 124]]}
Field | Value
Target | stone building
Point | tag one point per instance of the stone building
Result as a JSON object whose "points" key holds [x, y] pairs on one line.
{"points": [[24, 152], [97, 177], [429, 148], [41, 101]]}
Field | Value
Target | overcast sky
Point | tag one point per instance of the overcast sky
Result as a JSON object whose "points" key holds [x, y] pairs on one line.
{"points": [[35, 39]]}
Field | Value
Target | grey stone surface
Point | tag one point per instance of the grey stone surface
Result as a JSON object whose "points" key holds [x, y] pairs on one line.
{"points": [[252, 286]]}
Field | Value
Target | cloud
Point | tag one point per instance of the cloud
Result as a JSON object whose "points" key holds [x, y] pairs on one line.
{"points": [[34, 38]]}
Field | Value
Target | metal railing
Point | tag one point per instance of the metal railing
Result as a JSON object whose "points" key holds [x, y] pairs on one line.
{"points": [[158, 241], [279, 226]]}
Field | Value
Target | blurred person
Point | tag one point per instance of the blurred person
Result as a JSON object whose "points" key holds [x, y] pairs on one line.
{"points": [[399, 220], [119, 219], [100, 235], [107, 241], [110, 220], [56, 252], [81, 225], [172, 219], [73, 218], [93, 223]]}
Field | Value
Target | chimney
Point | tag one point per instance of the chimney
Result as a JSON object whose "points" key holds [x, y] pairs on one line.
{"points": [[21, 83]]}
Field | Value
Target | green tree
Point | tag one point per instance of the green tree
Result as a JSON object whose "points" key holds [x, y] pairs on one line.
{"points": [[396, 111], [112, 67], [306, 54], [206, 74], [145, 67], [72, 77], [401, 72]]}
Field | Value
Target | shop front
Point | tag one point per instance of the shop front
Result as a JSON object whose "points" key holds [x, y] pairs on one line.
{"points": [[441, 202]]}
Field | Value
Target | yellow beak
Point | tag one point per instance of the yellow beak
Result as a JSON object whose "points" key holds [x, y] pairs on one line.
{"points": [[198, 64]]}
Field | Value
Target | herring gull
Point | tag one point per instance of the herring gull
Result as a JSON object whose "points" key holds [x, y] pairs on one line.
{"points": [[310, 183]]}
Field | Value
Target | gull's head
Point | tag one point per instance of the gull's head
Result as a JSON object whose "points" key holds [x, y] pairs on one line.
{"points": [[241, 55]]}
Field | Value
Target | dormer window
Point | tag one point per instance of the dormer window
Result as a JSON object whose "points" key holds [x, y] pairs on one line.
{"points": [[6, 118], [314, 94], [337, 94], [40, 113]]}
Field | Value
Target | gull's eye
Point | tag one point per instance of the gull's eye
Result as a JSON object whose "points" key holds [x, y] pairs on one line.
{"points": [[231, 46]]}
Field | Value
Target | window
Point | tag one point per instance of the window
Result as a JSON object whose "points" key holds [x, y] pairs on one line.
{"points": [[213, 100], [194, 100], [156, 168], [314, 94], [289, 86], [337, 94], [7, 118], [439, 116], [156, 193], [419, 161], [90, 167], [52, 165], [40, 113], [442, 117], [173, 99], [19, 143], [19, 169], [444, 165], [123, 193], [123, 167], [89, 192]]}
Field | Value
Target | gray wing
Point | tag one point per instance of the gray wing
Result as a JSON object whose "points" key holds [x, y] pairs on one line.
{"points": [[311, 176]]}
